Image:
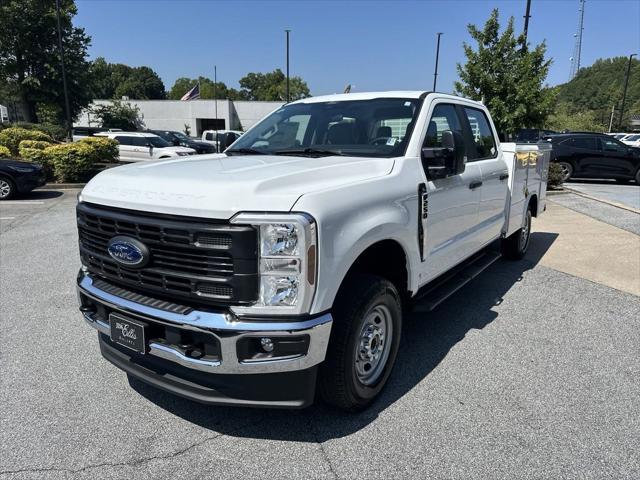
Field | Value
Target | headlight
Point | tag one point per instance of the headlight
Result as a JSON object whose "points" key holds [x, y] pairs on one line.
{"points": [[287, 247]]}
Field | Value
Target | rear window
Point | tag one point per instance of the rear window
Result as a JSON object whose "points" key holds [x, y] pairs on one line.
{"points": [[482, 133], [584, 143]]}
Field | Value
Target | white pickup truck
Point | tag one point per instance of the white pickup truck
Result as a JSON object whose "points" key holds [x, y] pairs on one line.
{"points": [[284, 265]]}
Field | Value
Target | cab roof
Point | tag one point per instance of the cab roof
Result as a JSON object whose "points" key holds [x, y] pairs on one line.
{"points": [[341, 97]]}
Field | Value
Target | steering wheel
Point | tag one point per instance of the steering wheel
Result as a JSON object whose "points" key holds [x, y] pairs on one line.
{"points": [[380, 141]]}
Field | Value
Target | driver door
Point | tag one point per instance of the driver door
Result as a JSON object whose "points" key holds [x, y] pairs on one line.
{"points": [[451, 221]]}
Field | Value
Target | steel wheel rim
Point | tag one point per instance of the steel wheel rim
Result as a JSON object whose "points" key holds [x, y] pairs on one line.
{"points": [[373, 345], [5, 189], [524, 234], [566, 171]]}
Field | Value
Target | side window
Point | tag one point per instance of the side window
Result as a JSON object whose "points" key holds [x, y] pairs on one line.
{"points": [[611, 145], [444, 117], [482, 133], [209, 136], [585, 143], [123, 140]]}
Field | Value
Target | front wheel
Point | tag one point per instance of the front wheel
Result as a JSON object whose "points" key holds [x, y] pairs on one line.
{"points": [[7, 189], [367, 322], [515, 247]]}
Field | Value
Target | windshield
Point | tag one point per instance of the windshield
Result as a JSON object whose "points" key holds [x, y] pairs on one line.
{"points": [[380, 128], [632, 138], [158, 142], [181, 136]]}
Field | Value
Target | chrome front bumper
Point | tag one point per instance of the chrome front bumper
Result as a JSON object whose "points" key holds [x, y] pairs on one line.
{"points": [[227, 328]]}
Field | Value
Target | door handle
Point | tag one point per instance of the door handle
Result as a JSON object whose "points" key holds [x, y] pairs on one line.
{"points": [[476, 184], [504, 176]]}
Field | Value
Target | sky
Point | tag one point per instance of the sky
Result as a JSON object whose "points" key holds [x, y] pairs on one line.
{"points": [[372, 45]]}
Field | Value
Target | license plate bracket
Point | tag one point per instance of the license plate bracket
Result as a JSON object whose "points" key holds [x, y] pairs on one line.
{"points": [[128, 332]]}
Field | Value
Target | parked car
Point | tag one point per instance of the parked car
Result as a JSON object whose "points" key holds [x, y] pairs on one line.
{"points": [[618, 136], [594, 155], [180, 139], [140, 146], [250, 278], [632, 140], [19, 177], [221, 139]]}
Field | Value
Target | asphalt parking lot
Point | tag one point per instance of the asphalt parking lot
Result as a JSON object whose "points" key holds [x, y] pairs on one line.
{"points": [[527, 372]]}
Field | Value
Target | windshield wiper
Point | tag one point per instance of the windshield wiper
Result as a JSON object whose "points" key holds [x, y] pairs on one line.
{"points": [[309, 151], [246, 151]]}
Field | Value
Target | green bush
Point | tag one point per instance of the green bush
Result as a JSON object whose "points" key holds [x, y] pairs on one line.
{"points": [[11, 137], [105, 150], [4, 151], [554, 180], [37, 144], [34, 151], [71, 162], [56, 132]]}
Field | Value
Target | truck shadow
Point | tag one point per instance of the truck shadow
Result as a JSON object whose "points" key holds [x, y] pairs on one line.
{"points": [[427, 339]]}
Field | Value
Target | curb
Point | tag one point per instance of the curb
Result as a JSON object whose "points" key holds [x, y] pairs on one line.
{"points": [[607, 202], [551, 193], [61, 186]]}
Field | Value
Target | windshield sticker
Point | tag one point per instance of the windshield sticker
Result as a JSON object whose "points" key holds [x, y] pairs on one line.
{"points": [[391, 141]]}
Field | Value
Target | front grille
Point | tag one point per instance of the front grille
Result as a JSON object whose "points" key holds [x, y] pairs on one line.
{"points": [[206, 261]]}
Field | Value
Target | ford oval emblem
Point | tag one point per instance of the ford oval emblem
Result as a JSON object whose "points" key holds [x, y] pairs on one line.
{"points": [[128, 251]]}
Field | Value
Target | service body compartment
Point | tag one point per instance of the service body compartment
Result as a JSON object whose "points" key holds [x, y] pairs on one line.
{"points": [[528, 166]]}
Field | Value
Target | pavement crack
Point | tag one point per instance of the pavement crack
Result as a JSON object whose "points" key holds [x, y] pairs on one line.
{"points": [[132, 463], [325, 455]]}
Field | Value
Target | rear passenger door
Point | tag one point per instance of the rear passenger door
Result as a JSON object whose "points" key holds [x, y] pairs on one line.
{"points": [[493, 191], [126, 148], [452, 214], [585, 155]]}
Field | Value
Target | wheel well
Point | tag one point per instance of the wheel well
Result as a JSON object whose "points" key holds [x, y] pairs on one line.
{"points": [[387, 260], [533, 205]]}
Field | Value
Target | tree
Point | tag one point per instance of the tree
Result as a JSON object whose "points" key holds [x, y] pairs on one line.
{"points": [[507, 76], [30, 61], [115, 80], [272, 86], [584, 121], [118, 114], [183, 85]]}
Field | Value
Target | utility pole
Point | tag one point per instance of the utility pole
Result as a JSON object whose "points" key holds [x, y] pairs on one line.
{"points": [[526, 21], [435, 73], [215, 102], [624, 92], [613, 111], [288, 92], [64, 73]]}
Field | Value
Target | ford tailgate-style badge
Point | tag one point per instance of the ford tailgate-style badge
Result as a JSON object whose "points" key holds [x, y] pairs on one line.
{"points": [[128, 251]]}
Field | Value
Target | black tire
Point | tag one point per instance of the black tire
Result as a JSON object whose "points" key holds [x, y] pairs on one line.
{"points": [[7, 188], [638, 177], [515, 247], [339, 383], [567, 170]]}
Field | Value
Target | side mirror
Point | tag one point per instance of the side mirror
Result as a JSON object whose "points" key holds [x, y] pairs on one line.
{"points": [[445, 161]]}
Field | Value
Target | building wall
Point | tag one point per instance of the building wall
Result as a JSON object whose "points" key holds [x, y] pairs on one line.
{"points": [[174, 114]]}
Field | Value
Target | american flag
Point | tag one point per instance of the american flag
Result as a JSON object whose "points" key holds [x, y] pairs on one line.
{"points": [[192, 94]]}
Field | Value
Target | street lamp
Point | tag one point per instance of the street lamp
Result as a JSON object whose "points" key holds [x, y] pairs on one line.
{"points": [[626, 84], [64, 73], [435, 74], [288, 93]]}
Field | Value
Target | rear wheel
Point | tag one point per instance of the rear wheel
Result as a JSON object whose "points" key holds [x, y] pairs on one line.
{"points": [[7, 188], [638, 177], [515, 247], [365, 336], [567, 170]]}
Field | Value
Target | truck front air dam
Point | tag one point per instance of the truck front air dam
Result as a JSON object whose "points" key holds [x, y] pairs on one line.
{"points": [[210, 357]]}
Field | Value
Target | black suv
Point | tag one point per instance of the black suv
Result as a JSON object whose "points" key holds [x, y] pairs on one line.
{"points": [[180, 139], [593, 155]]}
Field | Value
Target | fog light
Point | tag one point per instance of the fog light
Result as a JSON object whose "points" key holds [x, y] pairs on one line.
{"points": [[267, 344]]}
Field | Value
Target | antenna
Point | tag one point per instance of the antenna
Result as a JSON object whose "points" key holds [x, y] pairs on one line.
{"points": [[577, 49]]}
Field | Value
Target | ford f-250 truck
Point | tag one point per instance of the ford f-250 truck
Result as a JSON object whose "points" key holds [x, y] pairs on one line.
{"points": [[283, 266]]}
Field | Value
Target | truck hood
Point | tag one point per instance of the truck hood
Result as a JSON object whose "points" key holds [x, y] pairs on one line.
{"points": [[219, 186]]}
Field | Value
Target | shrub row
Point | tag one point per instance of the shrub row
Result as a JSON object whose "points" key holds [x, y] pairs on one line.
{"points": [[554, 180], [65, 162]]}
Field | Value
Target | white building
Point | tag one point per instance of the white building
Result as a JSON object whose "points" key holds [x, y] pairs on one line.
{"points": [[199, 115]]}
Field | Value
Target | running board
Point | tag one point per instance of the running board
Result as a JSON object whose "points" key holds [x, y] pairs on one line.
{"points": [[443, 287]]}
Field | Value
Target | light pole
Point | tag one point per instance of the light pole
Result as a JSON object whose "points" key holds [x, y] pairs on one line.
{"points": [[64, 73], [215, 103], [435, 74], [288, 92], [624, 92], [527, 16]]}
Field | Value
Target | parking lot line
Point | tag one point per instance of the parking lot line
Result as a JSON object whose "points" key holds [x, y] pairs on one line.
{"points": [[22, 202], [7, 218]]}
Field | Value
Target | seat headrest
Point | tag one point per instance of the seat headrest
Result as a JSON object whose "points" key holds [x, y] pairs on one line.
{"points": [[341, 134], [384, 132]]}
